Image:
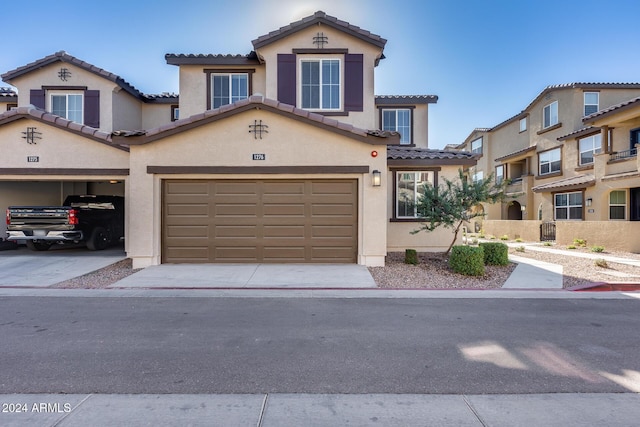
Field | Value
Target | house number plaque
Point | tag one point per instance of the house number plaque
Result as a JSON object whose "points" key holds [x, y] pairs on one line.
{"points": [[259, 157], [33, 159]]}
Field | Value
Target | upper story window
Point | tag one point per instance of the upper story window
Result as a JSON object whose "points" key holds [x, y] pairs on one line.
{"points": [[588, 147], [550, 161], [591, 102], [476, 146], [409, 190], [523, 124], [499, 174], [550, 115], [68, 106], [477, 177], [398, 120], [175, 113], [228, 88], [320, 84]]}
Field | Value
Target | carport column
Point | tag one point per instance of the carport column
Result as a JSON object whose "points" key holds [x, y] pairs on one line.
{"points": [[142, 211]]}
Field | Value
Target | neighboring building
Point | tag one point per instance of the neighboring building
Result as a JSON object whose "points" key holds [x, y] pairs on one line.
{"points": [[567, 155], [279, 155], [8, 99]]}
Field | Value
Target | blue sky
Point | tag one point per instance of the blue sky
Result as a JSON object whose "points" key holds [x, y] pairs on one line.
{"points": [[486, 60]]}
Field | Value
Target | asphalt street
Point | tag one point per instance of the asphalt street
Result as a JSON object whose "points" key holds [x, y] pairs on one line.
{"points": [[301, 345]]}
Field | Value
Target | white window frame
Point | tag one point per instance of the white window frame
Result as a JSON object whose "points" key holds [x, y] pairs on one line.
{"points": [[478, 146], [66, 95], [542, 160], [320, 60], [624, 205], [523, 124], [594, 143], [597, 104], [231, 98], [404, 130], [553, 118], [477, 177], [400, 175], [568, 206], [500, 177]]}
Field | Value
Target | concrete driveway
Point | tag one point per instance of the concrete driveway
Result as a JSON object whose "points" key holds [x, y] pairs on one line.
{"points": [[250, 276], [22, 267]]}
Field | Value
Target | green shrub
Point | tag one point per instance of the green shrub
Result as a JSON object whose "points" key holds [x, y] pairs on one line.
{"points": [[580, 242], [601, 263], [411, 257], [495, 253], [481, 235], [571, 247], [474, 241], [467, 260], [492, 237], [597, 249], [519, 240], [504, 237], [548, 244], [520, 249]]}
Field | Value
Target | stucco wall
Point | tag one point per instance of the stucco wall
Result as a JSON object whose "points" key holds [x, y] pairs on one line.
{"points": [[155, 115], [48, 76], [228, 143], [337, 40]]}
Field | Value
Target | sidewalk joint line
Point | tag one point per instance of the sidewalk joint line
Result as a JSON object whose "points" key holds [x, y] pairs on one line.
{"points": [[473, 410], [57, 423], [263, 409]]}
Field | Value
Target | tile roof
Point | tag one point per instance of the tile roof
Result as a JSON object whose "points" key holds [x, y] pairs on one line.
{"points": [[572, 183], [163, 98], [259, 101], [59, 122], [211, 59], [613, 109], [516, 153], [7, 92], [582, 85], [319, 17], [399, 153], [405, 99], [580, 132], [63, 56]]}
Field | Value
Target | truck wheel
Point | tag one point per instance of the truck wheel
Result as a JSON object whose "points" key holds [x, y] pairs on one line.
{"points": [[99, 239], [38, 246]]}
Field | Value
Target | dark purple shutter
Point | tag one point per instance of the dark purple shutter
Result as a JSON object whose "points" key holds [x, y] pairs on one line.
{"points": [[353, 82], [287, 78], [37, 98], [92, 108]]}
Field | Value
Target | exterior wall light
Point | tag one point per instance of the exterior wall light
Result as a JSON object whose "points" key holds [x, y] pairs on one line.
{"points": [[523, 208], [589, 201], [377, 178]]}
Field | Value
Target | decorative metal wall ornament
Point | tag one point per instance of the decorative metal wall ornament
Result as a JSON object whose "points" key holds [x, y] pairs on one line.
{"points": [[257, 129], [64, 74], [31, 135], [320, 40]]}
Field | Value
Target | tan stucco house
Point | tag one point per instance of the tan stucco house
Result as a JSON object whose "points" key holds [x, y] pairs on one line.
{"points": [[571, 159], [280, 155]]}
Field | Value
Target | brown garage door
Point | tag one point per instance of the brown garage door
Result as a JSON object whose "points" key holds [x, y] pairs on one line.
{"points": [[313, 221]]}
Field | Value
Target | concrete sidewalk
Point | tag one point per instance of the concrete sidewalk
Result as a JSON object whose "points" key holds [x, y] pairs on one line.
{"points": [[534, 274], [283, 410]]}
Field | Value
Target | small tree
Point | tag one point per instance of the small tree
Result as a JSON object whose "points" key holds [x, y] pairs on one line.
{"points": [[450, 204]]}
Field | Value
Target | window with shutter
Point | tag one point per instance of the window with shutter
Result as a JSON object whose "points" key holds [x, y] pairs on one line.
{"points": [[287, 78]]}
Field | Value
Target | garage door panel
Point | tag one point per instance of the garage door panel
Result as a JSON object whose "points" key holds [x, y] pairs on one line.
{"points": [[235, 254], [279, 210], [261, 221], [236, 231], [272, 231], [188, 231], [235, 210], [185, 188], [181, 209]]}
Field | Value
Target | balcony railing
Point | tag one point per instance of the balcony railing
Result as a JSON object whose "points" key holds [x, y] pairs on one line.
{"points": [[623, 154]]}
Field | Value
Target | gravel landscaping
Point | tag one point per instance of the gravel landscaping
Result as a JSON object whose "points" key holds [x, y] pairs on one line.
{"points": [[432, 272]]}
